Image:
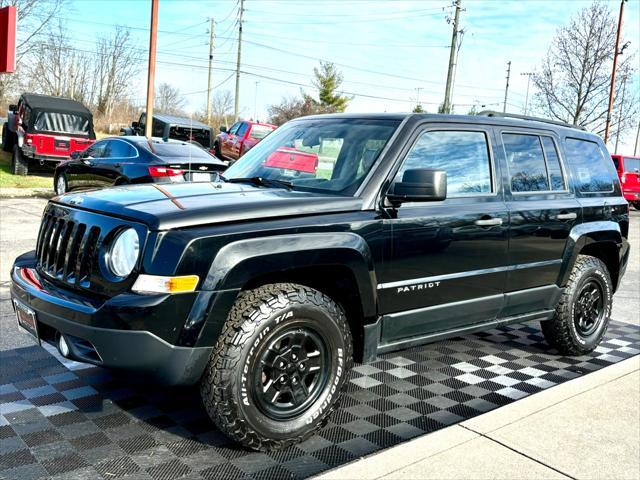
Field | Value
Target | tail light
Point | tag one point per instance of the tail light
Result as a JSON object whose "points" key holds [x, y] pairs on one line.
{"points": [[165, 172], [623, 178], [28, 140]]}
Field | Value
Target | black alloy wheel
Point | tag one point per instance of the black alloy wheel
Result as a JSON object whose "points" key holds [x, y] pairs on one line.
{"points": [[589, 308], [291, 373]]}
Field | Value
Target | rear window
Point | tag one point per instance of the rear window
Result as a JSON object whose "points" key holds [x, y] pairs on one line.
{"points": [[631, 164], [61, 123], [199, 135], [260, 131], [176, 150], [590, 167]]}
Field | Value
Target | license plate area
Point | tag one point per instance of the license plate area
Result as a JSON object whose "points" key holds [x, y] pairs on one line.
{"points": [[61, 144], [201, 177], [26, 318]]}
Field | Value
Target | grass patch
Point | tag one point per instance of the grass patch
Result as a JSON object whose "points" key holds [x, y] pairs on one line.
{"points": [[8, 180]]}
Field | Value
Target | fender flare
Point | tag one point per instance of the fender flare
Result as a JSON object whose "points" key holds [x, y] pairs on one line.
{"points": [[586, 234], [238, 262]]}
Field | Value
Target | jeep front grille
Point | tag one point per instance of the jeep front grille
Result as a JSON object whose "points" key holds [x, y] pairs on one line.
{"points": [[66, 249]]}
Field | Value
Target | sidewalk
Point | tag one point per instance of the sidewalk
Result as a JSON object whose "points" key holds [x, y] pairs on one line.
{"points": [[587, 428]]}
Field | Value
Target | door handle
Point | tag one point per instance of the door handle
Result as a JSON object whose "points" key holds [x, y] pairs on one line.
{"points": [[567, 216], [488, 222]]}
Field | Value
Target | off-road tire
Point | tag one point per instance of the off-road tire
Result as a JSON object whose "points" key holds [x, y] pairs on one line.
{"points": [[257, 317], [19, 164], [561, 331], [7, 143]]}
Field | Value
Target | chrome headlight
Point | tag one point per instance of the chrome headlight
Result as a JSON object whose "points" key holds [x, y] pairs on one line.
{"points": [[123, 254]]}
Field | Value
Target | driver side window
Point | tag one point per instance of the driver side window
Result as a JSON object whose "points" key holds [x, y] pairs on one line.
{"points": [[234, 128]]}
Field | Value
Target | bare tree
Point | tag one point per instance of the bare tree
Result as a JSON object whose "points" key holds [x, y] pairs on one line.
{"points": [[34, 18], [573, 85], [221, 109], [59, 69], [294, 107], [169, 100], [115, 67]]}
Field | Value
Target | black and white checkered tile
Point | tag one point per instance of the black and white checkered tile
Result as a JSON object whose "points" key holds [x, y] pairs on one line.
{"points": [[65, 420]]}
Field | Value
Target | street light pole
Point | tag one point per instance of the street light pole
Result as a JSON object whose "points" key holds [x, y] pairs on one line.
{"points": [[152, 67], [236, 100]]}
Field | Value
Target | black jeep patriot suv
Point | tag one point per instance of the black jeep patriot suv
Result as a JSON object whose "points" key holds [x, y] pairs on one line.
{"points": [[337, 237]]}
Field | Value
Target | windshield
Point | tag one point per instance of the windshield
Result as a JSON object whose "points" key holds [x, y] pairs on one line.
{"points": [[176, 150], [632, 164], [260, 131], [61, 123], [325, 155]]}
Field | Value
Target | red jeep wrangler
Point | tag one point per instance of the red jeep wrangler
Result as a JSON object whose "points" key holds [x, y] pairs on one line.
{"points": [[45, 129], [628, 169]]}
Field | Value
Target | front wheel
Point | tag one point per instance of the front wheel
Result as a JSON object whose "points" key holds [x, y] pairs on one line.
{"points": [[19, 164], [582, 315], [217, 150], [277, 369]]}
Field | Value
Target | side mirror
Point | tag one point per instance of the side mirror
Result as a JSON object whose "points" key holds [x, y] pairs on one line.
{"points": [[223, 129], [419, 185], [76, 155], [13, 108]]}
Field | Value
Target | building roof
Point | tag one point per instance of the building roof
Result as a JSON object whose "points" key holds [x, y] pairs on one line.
{"points": [[55, 104]]}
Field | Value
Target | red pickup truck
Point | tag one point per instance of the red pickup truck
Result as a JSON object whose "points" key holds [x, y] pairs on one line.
{"points": [[242, 136], [628, 169]]}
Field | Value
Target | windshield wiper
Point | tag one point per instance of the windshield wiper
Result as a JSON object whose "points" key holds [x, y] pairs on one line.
{"points": [[261, 181]]}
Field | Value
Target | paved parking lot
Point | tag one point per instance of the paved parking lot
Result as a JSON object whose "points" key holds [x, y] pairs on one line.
{"points": [[61, 419]]}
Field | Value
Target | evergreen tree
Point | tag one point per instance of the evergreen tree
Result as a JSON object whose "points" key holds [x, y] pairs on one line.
{"points": [[327, 80]]}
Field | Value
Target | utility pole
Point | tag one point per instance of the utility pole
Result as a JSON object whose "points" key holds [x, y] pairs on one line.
{"points": [[210, 68], [506, 88], [452, 58], [624, 88], [613, 73], [635, 149], [526, 98], [237, 98], [152, 67], [418, 96]]}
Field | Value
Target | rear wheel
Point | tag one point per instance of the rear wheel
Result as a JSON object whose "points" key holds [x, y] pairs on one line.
{"points": [[19, 164], [636, 205], [60, 184], [582, 315], [278, 367]]}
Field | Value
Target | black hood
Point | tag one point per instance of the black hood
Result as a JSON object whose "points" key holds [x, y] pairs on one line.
{"points": [[166, 206]]}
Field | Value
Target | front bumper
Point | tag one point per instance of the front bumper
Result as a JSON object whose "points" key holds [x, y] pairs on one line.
{"points": [[59, 312]]}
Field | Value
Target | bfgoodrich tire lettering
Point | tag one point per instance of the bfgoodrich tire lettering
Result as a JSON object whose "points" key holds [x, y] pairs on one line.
{"points": [[582, 315], [236, 375]]}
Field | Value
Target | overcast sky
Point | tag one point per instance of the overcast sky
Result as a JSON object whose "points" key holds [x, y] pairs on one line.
{"points": [[388, 51]]}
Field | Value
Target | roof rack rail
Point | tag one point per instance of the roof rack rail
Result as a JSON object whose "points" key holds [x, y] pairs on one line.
{"points": [[492, 113]]}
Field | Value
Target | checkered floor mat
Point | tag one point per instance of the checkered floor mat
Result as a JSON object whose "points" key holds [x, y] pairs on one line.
{"points": [[73, 421]]}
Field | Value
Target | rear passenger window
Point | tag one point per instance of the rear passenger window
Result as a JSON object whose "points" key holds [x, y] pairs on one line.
{"points": [[525, 160], [587, 162], [553, 164], [463, 155]]}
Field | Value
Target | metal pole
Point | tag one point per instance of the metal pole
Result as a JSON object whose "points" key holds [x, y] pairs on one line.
{"points": [[152, 67], [452, 58], [210, 68], [255, 104], [613, 74], [526, 98], [506, 88], [237, 97], [635, 149], [624, 88]]}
